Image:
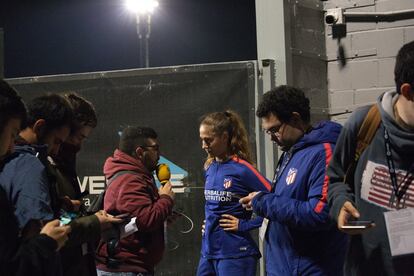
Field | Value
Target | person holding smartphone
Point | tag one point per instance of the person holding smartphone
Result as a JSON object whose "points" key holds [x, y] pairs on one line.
{"points": [[20, 256], [78, 256], [300, 237], [227, 247], [383, 178]]}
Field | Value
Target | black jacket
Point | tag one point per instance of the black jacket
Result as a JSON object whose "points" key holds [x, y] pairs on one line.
{"points": [[36, 256]]}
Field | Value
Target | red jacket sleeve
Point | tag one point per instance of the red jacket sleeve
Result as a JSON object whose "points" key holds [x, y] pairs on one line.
{"points": [[140, 198]]}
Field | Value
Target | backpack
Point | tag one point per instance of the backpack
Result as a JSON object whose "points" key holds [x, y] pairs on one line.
{"points": [[366, 133], [98, 202]]}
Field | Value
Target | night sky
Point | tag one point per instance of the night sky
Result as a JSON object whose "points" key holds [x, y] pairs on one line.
{"points": [[55, 37]]}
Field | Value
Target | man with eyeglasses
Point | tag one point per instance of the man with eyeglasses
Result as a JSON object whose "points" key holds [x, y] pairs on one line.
{"points": [[300, 237], [132, 191]]}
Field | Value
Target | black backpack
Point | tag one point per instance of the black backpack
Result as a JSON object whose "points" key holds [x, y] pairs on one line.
{"points": [[113, 237]]}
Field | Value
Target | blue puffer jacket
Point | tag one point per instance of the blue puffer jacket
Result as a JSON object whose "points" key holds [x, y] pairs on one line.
{"points": [[301, 239], [25, 180]]}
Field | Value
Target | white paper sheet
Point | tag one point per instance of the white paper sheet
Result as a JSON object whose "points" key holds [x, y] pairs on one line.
{"points": [[128, 228], [400, 228]]}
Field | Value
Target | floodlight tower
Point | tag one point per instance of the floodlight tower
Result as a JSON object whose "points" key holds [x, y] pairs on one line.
{"points": [[143, 10]]}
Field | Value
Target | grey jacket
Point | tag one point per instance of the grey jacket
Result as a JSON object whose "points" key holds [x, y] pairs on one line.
{"points": [[371, 192]]}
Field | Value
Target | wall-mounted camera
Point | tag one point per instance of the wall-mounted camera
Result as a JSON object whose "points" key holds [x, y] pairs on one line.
{"points": [[334, 16]]}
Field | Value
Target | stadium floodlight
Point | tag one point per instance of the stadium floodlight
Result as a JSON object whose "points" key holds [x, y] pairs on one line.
{"points": [[141, 6], [143, 10]]}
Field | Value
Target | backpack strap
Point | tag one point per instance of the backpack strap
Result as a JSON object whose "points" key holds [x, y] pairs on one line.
{"points": [[365, 135], [367, 130], [112, 243], [97, 203], [112, 178]]}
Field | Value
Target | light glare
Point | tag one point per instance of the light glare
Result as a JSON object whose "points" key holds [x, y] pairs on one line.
{"points": [[141, 6]]}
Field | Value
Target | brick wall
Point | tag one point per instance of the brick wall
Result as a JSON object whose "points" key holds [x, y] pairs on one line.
{"points": [[337, 86], [369, 48]]}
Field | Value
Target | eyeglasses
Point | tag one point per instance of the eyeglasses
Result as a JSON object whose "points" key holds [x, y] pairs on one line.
{"points": [[274, 130], [156, 147]]}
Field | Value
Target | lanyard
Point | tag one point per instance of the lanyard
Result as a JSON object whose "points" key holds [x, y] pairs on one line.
{"points": [[281, 165], [405, 182]]}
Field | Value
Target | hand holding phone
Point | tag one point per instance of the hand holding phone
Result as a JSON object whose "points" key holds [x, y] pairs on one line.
{"points": [[358, 224], [126, 217], [66, 217], [123, 216], [348, 220], [56, 231], [107, 220]]}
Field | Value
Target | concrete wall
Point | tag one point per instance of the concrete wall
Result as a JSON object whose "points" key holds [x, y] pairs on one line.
{"points": [[306, 50], [369, 49]]}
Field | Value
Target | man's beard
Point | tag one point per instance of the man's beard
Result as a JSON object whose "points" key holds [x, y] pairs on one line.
{"points": [[283, 146], [150, 165]]}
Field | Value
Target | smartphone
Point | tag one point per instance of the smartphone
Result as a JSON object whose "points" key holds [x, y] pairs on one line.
{"points": [[66, 217], [126, 217], [358, 224], [123, 216]]}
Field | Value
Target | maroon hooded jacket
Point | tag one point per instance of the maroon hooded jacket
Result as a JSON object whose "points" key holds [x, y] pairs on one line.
{"points": [[137, 195]]}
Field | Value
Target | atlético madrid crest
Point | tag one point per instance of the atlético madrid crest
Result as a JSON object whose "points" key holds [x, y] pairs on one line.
{"points": [[291, 176], [227, 183]]}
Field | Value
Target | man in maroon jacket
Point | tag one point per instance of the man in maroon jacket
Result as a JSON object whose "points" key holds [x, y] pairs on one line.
{"points": [[133, 192]]}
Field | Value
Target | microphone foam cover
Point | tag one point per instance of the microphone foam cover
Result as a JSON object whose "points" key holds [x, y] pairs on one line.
{"points": [[163, 173]]}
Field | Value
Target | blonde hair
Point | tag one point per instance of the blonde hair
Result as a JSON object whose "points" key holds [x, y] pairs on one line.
{"points": [[230, 122]]}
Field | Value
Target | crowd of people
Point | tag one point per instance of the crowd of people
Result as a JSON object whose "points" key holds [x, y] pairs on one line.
{"points": [[327, 177]]}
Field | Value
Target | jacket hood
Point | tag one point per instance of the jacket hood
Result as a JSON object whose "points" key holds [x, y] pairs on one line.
{"points": [[33, 149], [121, 161], [322, 132], [22, 146], [398, 136]]}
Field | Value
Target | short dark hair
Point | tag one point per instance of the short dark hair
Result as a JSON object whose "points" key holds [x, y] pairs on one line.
{"points": [[282, 101], [53, 108], [11, 106], [133, 136], [404, 66], [83, 111]]}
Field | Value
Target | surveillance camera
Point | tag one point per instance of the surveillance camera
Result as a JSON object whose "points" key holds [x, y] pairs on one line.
{"points": [[334, 16], [330, 19]]}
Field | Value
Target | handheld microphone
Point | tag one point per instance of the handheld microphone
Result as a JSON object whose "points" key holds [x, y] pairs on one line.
{"points": [[163, 173]]}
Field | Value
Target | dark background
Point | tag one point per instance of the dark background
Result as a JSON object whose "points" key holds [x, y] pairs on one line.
{"points": [[60, 37], [171, 100], [54, 37]]}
